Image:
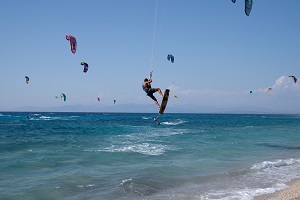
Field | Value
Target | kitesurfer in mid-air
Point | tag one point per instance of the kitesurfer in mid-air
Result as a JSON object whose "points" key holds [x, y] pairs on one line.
{"points": [[150, 91]]}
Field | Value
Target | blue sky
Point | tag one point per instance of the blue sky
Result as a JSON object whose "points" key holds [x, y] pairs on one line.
{"points": [[220, 54]]}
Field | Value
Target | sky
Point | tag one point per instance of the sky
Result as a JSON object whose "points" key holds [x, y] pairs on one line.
{"points": [[220, 55]]}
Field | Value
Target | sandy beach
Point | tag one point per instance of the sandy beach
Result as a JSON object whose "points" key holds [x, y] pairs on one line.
{"points": [[290, 193]]}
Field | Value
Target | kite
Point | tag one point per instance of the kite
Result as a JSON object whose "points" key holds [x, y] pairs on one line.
{"points": [[251, 92], [27, 79], [170, 57], [98, 98], [63, 97], [269, 89], [73, 43], [295, 79], [86, 67], [175, 96], [248, 6], [114, 101]]}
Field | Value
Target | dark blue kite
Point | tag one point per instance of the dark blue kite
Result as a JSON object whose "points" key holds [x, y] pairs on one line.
{"points": [[248, 6], [86, 67], [170, 57]]}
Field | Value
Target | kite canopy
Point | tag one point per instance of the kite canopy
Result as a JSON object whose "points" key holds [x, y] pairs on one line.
{"points": [[63, 97], [295, 79], [27, 79], [269, 89], [98, 98], [73, 43], [114, 101], [86, 67], [251, 92], [170, 57], [248, 6]]}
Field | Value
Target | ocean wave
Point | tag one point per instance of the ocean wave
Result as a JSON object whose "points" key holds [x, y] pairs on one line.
{"points": [[1, 115], [144, 148], [245, 194], [173, 123], [124, 181], [47, 118], [273, 164]]}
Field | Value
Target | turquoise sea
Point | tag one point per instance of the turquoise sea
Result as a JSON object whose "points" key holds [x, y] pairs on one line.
{"points": [[128, 156]]}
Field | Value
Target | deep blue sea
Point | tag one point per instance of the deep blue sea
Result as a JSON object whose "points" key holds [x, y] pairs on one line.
{"points": [[128, 156]]}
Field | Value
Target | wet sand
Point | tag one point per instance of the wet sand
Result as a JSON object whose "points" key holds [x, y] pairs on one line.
{"points": [[290, 193]]}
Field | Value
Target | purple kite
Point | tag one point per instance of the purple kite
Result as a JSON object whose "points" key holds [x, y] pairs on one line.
{"points": [[73, 43]]}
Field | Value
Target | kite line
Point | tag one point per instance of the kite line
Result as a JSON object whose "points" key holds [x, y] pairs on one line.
{"points": [[153, 40]]}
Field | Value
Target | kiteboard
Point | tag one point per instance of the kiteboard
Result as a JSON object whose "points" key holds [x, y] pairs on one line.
{"points": [[163, 105], [164, 102]]}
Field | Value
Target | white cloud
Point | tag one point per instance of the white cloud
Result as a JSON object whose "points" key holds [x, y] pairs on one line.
{"points": [[284, 97], [282, 84]]}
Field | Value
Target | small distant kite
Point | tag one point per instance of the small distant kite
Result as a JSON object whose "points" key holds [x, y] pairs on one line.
{"points": [[63, 97], [86, 67], [295, 79], [73, 43], [98, 98], [170, 57], [175, 96], [248, 6], [115, 101], [27, 79], [251, 92], [270, 89]]}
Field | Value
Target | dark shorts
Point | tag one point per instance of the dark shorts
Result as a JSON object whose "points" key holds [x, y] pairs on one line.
{"points": [[150, 94]]}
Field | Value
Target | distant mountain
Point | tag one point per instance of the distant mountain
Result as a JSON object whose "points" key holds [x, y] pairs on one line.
{"points": [[92, 108], [144, 108]]}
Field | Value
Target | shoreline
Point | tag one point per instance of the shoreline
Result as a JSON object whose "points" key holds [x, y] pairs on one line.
{"points": [[290, 193]]}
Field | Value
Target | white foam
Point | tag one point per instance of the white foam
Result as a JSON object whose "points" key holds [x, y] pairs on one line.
{"points": [[90, 185], [1, 115], [125, 180], [172, 123], [245, 194], [262, 178], [273, 164], [144, 148], [46, 118]]}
